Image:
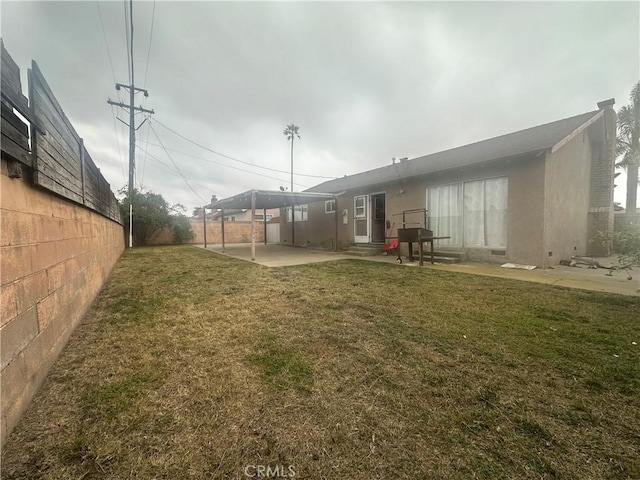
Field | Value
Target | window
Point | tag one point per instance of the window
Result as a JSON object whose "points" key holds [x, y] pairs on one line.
{"points": [[473, 214], [301, 213], [329, 206], [361, 208], [445, 213], [485, 213], [260, 217]]}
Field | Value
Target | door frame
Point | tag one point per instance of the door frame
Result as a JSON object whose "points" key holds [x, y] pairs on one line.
{"points": [[372, 212], [367, 216]]}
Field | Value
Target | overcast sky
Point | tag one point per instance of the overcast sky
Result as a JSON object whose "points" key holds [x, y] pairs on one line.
{"points": [[365, 82]]}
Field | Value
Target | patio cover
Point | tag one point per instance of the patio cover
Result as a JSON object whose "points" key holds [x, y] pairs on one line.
{"points": [[266, 199]]}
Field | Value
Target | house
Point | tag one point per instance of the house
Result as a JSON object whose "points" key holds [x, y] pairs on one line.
{"points": [[534, 196], [244, 215]]}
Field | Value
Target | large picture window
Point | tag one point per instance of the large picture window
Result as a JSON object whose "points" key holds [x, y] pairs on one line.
{"points": [[473, 214], [485, 213], [445, 213]]}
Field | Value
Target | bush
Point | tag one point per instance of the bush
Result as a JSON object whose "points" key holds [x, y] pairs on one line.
{"points": [[181, 229], [626, 243]]}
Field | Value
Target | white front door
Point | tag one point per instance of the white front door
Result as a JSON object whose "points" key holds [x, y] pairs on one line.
{"points": [[361, 227]]}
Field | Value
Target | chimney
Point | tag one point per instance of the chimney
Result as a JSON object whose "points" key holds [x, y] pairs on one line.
{"points": [[606, 103], [393, 160]]}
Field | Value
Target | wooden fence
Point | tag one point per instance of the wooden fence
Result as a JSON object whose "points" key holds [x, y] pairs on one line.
{"points": [[58, 157]]}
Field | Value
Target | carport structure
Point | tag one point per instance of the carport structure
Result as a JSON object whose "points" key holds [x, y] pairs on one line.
{"points": [[264, 200]]}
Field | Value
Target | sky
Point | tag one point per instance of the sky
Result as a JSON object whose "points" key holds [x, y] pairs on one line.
{"points": [[364, 81]]}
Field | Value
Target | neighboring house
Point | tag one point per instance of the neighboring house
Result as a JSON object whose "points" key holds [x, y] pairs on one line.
{"points": [[533, 197], [244, 215]]}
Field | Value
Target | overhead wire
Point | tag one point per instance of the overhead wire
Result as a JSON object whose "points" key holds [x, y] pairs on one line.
{"points": [[176, 166], [167, 168], [128, 37], [115, 127], [113, 73], [146, 143], [104, 35], [227, 166], [237, 160], [153, 16]]}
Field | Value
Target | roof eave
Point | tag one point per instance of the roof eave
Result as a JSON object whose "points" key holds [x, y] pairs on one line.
{"points": [[576, 132]]}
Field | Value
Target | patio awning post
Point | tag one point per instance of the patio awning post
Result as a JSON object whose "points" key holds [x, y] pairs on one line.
{"points": [[293, 224], [222, 223], [253, 226], [204, 223], [335, 224], [264, 219]]}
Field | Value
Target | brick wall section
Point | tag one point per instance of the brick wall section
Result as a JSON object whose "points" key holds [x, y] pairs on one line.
{"points": [[601, 216], [234, 232], [55, 256]]}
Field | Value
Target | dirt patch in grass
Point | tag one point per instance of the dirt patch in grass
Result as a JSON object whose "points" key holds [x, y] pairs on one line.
{"points": [[194, 365]]}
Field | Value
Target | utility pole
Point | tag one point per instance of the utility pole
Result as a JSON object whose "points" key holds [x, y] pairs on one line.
{"points": [[132, 128], [132, 141]]}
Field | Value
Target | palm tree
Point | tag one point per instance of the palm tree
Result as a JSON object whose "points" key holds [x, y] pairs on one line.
{"points": [[628, 146], [291, 132]]}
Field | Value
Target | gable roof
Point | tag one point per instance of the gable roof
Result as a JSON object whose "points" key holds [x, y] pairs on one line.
{"points": [[514, 144]]}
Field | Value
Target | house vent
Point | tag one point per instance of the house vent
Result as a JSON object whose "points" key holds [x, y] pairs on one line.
{"points": [[498, 252]]}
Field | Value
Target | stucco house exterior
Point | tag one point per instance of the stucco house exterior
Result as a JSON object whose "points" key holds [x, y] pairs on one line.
{"points": [[534, 196]]}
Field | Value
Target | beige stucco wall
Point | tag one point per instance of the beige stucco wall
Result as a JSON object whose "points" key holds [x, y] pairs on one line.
{"points": [[579, 192], [318, 232], [566, 190], [55, 256]]}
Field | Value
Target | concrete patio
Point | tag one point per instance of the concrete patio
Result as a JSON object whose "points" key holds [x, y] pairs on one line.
{"points": [[273, 255]]}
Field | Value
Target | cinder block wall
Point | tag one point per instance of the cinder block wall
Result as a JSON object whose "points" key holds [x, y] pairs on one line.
{"points": [[234, 232], [55, 256]]}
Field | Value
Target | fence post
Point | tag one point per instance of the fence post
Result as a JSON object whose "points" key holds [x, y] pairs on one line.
{"points": [[82, 170]]}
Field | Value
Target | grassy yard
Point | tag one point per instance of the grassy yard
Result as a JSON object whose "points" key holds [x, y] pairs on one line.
{"points": [[194, 365]]}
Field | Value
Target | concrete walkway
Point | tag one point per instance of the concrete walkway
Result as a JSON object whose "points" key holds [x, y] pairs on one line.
{"points": [[573, 277]]}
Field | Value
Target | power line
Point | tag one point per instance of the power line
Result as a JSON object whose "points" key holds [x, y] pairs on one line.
{"points": [[153, 17], [115, 127], [225, 165], [168, 169], [104, 35], [176, 166], [129, 42], [145, 152], [235, 159]]}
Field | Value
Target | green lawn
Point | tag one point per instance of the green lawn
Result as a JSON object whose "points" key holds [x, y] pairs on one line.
{"points": [[194, 365]]}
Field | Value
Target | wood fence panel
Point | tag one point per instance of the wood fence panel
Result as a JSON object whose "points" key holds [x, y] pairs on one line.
{"points": [[58, 157], [15, 133], [57, 152]]}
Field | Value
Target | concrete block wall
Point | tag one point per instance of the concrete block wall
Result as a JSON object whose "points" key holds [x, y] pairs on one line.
{"points": [[55, 256], [234, 232]]}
